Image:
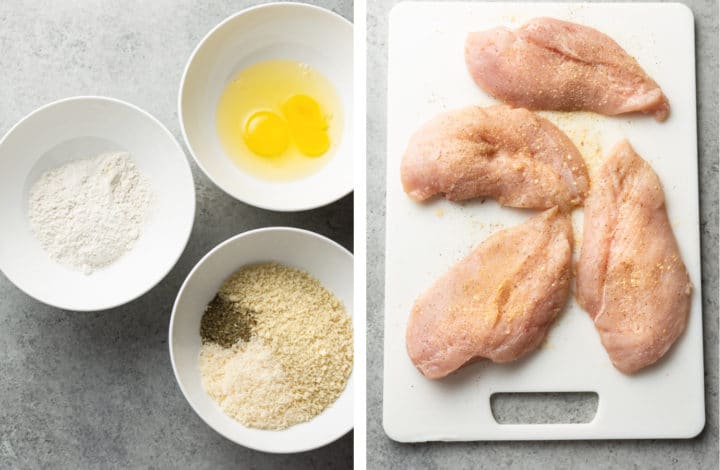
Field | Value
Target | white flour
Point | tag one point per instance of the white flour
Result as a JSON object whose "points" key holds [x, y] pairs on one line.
{"points": [[87, 213]]}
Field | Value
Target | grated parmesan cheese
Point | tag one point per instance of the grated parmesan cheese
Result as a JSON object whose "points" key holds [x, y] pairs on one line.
{"points": [[248, 383]]}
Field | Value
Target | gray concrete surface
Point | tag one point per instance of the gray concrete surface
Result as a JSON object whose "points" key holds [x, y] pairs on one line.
{"points": [[96, 390], [698, 453]]}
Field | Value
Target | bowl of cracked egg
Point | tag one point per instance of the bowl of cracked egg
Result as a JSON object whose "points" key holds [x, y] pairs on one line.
{"points": [[265, 106], [261, 339], [96, 200]]}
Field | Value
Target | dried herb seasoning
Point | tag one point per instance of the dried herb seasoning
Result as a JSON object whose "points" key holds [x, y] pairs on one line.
{"points": [[226, 322]]}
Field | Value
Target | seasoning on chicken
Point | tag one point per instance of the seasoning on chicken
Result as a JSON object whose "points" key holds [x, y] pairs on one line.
{"points": [[630, 276], [511, 155], [498, 302], [549, 64]]}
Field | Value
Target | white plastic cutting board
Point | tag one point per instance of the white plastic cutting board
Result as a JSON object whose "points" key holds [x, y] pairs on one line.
{"points": [[427, 75]]}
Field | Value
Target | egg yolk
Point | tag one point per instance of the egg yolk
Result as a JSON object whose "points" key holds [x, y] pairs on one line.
{"points": [[302, 109], [266, 134], [311, 142], [308, 125]]}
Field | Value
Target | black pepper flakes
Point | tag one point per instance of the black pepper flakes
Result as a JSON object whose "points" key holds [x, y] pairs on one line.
{"points": [[226, 322]]}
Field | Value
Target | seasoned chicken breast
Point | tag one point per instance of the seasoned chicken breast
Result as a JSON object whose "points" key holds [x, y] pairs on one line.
{"points": [[511, 155], [549, 64], [630, 276], [498, 302]]}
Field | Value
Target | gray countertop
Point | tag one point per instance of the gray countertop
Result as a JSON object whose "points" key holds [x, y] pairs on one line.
{"points": [[96, 390], [698, 453]]}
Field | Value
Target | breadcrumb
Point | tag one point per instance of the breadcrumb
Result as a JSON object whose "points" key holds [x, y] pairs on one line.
{"points": [[299, 358]]}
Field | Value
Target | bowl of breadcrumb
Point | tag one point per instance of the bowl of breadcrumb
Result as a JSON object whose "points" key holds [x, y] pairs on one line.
{"points": [[261, 339]]}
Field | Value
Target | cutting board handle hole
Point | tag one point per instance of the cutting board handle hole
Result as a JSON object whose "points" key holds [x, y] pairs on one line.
{"points": [[544, 408]]}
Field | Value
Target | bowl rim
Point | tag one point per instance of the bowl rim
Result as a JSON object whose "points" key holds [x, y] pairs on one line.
{"points": [[181, 117], [171, 328], [164, 129]]}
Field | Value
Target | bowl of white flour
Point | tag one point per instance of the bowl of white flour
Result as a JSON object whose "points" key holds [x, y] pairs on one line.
{"points": [[97, 202]]}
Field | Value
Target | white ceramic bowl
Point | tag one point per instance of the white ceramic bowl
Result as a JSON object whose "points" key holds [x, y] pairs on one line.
{"points": [[325, 260], [292, 31], [84, 127]]}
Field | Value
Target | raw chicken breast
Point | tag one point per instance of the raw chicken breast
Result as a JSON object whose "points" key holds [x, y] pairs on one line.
{"points": [[498, 302], [630, 277], [512, 155], [556, 65]]}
